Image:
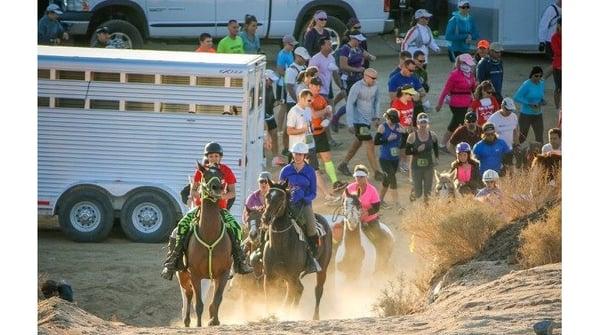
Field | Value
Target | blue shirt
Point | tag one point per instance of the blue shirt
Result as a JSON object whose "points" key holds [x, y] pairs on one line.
{"points": [[303, 183], [490, 154], [390, 150], [530, 93], [398, 80], [284, 59], [492, 70], [251, 46], [49, 29], [457, 30]]}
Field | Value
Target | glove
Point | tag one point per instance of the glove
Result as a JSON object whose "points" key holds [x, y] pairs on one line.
{"points": [[542, 47]]}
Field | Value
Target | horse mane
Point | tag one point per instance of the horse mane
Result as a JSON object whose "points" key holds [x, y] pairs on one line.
{"points": [[548, 163]]}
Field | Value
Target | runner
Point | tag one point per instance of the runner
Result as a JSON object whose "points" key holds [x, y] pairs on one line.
{"points": [[390, 135], [530, 95], [484, 102], [506, 124], [554, 142], [423, 146], [419, 37], [491, 68], [403, 103], [461, 31], [490, 150], [469, 132]]}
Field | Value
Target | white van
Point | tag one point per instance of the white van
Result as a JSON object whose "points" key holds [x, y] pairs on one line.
{"points": [[119, 133]]}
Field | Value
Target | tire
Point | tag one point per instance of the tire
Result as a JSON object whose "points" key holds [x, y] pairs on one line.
{"points": [[86, 215], [335, 27], [147, 217], [130, 35]]}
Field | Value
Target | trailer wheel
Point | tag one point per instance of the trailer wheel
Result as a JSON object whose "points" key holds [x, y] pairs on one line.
{"points": [[86, 215], [147, 217], [127, 32]]}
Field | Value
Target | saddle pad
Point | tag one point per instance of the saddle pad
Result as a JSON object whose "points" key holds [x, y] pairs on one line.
{"points": [[302, 236]]}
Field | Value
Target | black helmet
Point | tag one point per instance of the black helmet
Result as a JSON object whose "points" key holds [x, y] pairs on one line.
{"points": [[392, 115], [213, 147]]}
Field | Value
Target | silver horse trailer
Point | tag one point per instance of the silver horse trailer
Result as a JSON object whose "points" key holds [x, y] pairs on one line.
{"points": [[119, 133]]}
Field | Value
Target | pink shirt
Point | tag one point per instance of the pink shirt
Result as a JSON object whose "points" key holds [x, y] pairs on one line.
{"points": [[463, 173], [460, 88], [371, 196]]}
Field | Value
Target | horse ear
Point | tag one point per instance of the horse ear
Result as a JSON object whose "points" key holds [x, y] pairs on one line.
{"points": [[270, 182], [200, 167], [346, 193], [285, 184]]}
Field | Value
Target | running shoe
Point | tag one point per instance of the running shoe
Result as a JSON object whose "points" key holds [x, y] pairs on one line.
{"points": [[343, 168]]}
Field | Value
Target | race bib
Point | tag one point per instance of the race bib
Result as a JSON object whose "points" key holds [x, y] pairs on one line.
{"points": [[364, 131], [422, 162], [395, 152], [309, 139], [344, 77]]}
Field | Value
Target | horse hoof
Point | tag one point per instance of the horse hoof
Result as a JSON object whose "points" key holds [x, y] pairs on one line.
{"points": [[213, 322]]}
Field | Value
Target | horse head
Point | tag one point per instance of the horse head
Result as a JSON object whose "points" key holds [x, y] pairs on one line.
{"points": [[351, 210], [444, 186], [548, 164], [211, 185], [276, 202]]}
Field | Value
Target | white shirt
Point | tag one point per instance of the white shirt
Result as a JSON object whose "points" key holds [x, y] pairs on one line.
{"points": [[291, 73], [548, 23], [298, 118], [505, 126], [547, 148], [419, 34]]}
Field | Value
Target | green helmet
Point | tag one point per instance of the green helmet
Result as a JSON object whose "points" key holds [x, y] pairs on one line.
{"points": [[213, 147]]}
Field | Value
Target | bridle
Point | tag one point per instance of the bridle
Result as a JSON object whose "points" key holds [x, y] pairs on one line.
{"points": [[277, 214], [205, 192]]}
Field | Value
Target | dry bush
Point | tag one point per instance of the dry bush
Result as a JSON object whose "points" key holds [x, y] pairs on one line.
{"points": [[446, 233], [541, 241], [398, 298]]}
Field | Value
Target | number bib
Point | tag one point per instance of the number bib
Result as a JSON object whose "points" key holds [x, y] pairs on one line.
{"points": [[364, 131], [395, 152], [309, 139], [422, 162]]}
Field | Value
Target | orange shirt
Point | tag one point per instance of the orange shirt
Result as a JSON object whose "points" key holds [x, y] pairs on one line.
{"points": [[318, 103], [211, 50]]}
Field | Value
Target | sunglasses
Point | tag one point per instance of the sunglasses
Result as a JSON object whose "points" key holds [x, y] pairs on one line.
{"points": [[420, 60], [374, 78], [263, 181], [322, 19], [425, 18], [356, 27], [537, 76], [465, 7]]}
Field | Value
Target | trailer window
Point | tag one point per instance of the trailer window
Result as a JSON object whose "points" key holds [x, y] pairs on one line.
{"points": [[43, 102], [181, 108], [237, 82], [104, 104], [139, 106], [209, 81], [70, 75], [69, 103], [140, 78], [43, 74], [106, 76], [175, 80]]}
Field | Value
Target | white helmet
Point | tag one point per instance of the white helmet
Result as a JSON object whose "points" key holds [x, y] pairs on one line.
{"points": [[300, 148], [490, 175]]}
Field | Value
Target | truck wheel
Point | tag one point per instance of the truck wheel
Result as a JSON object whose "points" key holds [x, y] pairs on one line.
{"points": [[86, 215], [147, 217], [128, 33], [335, 27]]}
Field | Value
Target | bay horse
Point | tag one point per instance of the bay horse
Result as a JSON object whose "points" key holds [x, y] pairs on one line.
{"points": [[354, 252], [208, 253], [285, 255]]}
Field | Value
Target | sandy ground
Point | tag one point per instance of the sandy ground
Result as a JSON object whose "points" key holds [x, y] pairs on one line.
{"points": [[119, 281]]}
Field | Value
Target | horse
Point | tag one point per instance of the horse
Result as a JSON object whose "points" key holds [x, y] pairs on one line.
{"points": [[208, 253], [445, 186], [548, 164], [251, 285], [285, 254], [354, 252]]}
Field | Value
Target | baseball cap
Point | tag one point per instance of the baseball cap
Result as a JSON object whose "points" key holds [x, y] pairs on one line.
{"points": [[359, 37], [271, 75], [463, 2], [509, 104], [422, 118], [471, 117], [54, 8], [488, 126], [320, 14], [496, 47], [302, 52], [409, 89], [467, 59], [102, 30], [483, 44], [265, 175], [316, 81], [419, 13], [289, 39]]}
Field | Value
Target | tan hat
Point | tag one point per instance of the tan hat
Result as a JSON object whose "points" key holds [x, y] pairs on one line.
{"points": [[496, 47]]}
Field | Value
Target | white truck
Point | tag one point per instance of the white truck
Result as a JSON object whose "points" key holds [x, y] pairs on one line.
{"points": [[137, 20], [119, 133]]}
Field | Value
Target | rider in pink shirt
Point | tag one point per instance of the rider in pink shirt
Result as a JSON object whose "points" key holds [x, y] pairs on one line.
{"points": [[367, 195]]}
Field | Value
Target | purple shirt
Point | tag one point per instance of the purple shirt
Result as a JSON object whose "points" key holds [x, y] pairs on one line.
{"points": [[254, 200], [326, 66]]}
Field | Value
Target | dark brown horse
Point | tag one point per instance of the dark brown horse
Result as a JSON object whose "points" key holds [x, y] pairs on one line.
{"points": [[208, 254], [285, 255], [548, 164], [354, 252]]}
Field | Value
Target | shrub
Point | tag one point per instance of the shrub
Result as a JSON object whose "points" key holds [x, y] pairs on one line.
{"points": [[541, 241], [398, 298]]}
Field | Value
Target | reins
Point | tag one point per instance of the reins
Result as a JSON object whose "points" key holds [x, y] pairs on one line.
{"points": [[273, 230]]}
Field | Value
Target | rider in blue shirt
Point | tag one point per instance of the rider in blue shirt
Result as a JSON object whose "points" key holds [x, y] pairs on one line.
{"points": [[490, 150]]}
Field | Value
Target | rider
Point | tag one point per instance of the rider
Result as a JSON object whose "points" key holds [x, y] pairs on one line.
{"points": [[467, 170], [302, 180], [256, 200], [214, 153], [491, 191]]}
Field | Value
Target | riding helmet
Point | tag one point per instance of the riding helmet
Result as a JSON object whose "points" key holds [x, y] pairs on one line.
{"points": [[213, 147], [392, 115], [300, 148], [490, 175], [463, 147]]}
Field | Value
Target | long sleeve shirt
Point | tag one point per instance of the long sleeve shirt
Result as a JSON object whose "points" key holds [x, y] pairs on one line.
{"points": [[492, 70], [303, 183], [528, 94], [49, 29], [457, 30], [548, 22], [460, 89], [419, 37], [362, 104]]}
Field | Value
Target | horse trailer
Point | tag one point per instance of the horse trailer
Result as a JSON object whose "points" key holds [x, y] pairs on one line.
{"points": [[120, 131]]}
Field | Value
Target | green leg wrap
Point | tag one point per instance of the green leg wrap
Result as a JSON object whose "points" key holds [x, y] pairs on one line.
{"points": [[185, 224], [231, 224]]}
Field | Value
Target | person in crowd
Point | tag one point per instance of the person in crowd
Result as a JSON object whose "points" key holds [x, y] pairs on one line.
{"points": [[491, 192], [248, 35], [403, 104], [232, 43], [467, 170], [422, 145], [406, 76], [304, 78], [491, 68], [103, 40], [484, 102], [421, 105], [285, 58], [270, 98], [554, 142], [299, 126], [490, 150], [419, 36], [316, 31], [256, 200], [320, 119], [507, 127], [325, 62], [483, 49], [62, 289], [353, 27], [460, 86], [402, 57], [352, 60], [206, 43], [556, 44], [50, 30], [470, 132], [461, 31], [530, 95], [389, 135], [302, 181], [362, 109], [547, 27]]}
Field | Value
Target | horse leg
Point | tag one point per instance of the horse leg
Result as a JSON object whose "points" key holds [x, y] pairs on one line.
{"points": [[296, 288], [321, 277], [185, 285], [270, 289], [213, 309], [198, 304]]}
